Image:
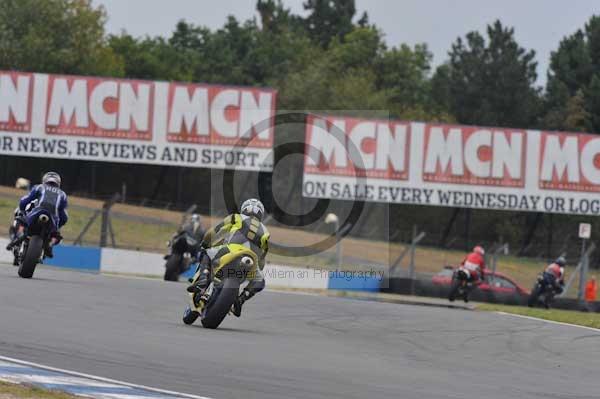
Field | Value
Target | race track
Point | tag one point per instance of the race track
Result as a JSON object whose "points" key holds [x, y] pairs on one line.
{"points": [[289, 346]]}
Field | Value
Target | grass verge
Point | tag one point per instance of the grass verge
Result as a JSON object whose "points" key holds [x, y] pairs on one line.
{"points": [[19, 391], [585, 319]]}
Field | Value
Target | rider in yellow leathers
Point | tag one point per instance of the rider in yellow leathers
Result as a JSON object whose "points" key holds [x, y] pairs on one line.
{"points": [[243, 228]]}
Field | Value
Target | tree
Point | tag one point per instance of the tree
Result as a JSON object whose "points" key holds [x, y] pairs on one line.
{"points": [[328, 19], [61, 36], [403, 72], [152, 58], [570, 70], [361, 48], [276, 18], [592, 104], [574, 79], [490, 83], [577, 117]]}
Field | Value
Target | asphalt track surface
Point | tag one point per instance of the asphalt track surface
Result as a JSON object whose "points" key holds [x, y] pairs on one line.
{"points": [[289, 346]]}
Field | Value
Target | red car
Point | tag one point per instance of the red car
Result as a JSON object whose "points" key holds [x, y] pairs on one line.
{"points": [[495, 287]]}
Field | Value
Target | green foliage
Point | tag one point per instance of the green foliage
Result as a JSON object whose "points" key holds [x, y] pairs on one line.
{"points": [[321, 61], [329, 19], [150, 58], [329, 58], [60, 36], [572, 100], [276, 18], [577, 116], [489, 83]]}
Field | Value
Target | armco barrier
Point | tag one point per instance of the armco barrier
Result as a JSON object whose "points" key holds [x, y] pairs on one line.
{"points": [[131, 262], [67, 256], [122, 261], [5, 256], [150, 264], [74, 257], [295, 277], [354, 283]]}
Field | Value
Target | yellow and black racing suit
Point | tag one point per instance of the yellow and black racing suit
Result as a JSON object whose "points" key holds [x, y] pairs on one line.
{"points": [[234, 229]]}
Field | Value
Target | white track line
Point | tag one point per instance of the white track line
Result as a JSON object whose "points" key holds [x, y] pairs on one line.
{"points": [[560, 323], [102, 379]]}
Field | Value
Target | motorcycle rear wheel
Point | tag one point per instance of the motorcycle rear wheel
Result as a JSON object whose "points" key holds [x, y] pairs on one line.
{"points": [[220, 306], [31, 257]]}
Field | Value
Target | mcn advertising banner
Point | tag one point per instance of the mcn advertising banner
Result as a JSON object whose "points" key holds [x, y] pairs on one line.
{"points": [[135, 121], [450, 165]]}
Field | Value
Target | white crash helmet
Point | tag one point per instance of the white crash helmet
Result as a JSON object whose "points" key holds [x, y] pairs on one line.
{"points": [[253, 207], [52, 178]]}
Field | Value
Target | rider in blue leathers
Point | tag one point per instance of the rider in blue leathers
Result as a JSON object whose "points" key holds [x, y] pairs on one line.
{"points": [[46, 198]]}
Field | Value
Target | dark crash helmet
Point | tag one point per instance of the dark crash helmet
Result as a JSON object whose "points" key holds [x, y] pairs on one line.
{"points": [[561, 261]]}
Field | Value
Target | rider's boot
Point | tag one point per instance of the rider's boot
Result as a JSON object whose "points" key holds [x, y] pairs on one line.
{"points": [[48, 249], [200, 281], [16, 241], [236, 309]]}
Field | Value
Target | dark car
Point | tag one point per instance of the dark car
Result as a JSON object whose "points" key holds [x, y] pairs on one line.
{"points": [[496, 287]]}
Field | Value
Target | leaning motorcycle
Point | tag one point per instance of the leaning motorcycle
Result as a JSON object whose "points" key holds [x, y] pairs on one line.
{"points": [[461, 284], [543, 291], [179, 258], [233, 269], [31, 250]]}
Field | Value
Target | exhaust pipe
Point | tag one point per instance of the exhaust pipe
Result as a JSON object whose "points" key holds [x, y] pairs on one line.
{"points": [[247, 261], [44, 218]]}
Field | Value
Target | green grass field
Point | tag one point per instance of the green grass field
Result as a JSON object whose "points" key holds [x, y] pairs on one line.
{"points": [[128, 233], [18, 391], [564, 316]]}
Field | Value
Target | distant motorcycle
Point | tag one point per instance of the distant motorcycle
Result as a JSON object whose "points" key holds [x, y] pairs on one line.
{"points": [[543, 291], [241, 263], [31, 250], [462, 284], [178, 260]]}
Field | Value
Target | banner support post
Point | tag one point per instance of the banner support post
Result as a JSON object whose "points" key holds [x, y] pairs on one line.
{"points": [[585, 233]]}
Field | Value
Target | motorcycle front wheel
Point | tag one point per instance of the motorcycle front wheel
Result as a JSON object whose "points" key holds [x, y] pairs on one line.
{"points": [[173, 267]]}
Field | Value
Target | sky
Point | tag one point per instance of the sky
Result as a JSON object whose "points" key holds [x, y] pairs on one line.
{"points": [[539, 24]]}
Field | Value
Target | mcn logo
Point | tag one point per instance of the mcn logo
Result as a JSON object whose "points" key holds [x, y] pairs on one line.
{"points": [[570, 162], [354, 147], [473, 155], [15, 101], [99, 107]]}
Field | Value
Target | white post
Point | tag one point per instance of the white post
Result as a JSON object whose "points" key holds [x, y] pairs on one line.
{"points": [[332, 218]]}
